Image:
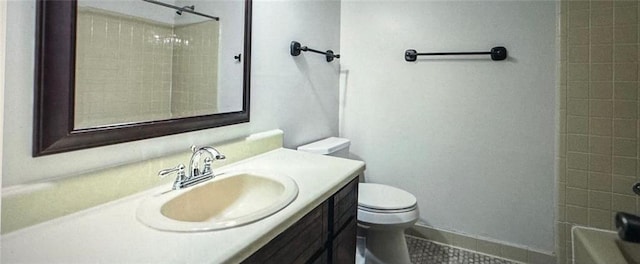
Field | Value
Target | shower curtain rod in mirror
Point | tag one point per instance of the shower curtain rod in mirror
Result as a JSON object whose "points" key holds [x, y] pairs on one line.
{"points": [[188, 9]]}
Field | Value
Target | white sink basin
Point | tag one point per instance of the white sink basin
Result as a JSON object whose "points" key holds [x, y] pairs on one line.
{"points": [[229, 200]]}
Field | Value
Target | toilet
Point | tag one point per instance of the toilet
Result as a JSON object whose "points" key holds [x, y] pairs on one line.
{"points": [[384, 212]]}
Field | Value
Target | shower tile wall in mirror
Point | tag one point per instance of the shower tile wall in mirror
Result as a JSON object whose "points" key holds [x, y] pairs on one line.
{"points": [[138, 61]]}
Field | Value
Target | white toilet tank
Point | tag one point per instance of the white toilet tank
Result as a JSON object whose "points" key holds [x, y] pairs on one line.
{"points": [[333, 146]]}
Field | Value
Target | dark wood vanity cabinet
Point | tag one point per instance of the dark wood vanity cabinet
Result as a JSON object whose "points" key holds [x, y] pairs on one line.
{"points": [[327, 234]]}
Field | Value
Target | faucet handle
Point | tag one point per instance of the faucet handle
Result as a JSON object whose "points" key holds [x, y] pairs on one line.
{"points": [[178, 169]]}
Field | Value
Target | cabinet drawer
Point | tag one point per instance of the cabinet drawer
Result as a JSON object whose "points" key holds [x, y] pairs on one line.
{"points": [[297, 244], [345, 205]]}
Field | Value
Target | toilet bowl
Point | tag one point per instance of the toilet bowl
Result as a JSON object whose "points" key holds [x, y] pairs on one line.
{"points": [[384, 212]]}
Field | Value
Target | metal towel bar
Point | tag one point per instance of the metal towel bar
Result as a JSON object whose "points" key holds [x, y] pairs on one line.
{"points": [[497, 54], [296, 48]]}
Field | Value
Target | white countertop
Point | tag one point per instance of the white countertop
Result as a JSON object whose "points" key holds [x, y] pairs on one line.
{"points": [[110, 233]]}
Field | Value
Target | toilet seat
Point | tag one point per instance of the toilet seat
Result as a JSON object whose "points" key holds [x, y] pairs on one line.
{"points": [[384, 197], [385, 205], [391, 220], [386, 211]]}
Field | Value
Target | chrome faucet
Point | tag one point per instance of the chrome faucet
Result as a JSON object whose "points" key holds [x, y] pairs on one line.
{"points": [[195, 175]]}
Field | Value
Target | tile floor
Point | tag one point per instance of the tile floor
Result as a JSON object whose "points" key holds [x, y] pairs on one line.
{"points": [[426, 252]]}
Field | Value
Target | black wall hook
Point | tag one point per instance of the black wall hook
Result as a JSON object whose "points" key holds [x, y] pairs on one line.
{"points": [[497, 54], [296, 48]]}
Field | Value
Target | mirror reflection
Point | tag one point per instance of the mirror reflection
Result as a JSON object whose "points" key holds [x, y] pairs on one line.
{"points": [[142, 60]]}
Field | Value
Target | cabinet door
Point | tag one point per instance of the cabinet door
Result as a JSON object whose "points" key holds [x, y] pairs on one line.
{"points": [[345, 210], [345, 206], [323, 258], [344, 244], [299, 243]]}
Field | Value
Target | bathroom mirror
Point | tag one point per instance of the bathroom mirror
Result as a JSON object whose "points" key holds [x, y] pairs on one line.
{"points": [[113, 71]]}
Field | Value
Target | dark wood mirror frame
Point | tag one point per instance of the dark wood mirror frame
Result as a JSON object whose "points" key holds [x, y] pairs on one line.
{"points": [[55, 84]]}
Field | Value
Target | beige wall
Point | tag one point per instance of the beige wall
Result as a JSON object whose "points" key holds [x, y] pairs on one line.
{"points": [[598, 115]]}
